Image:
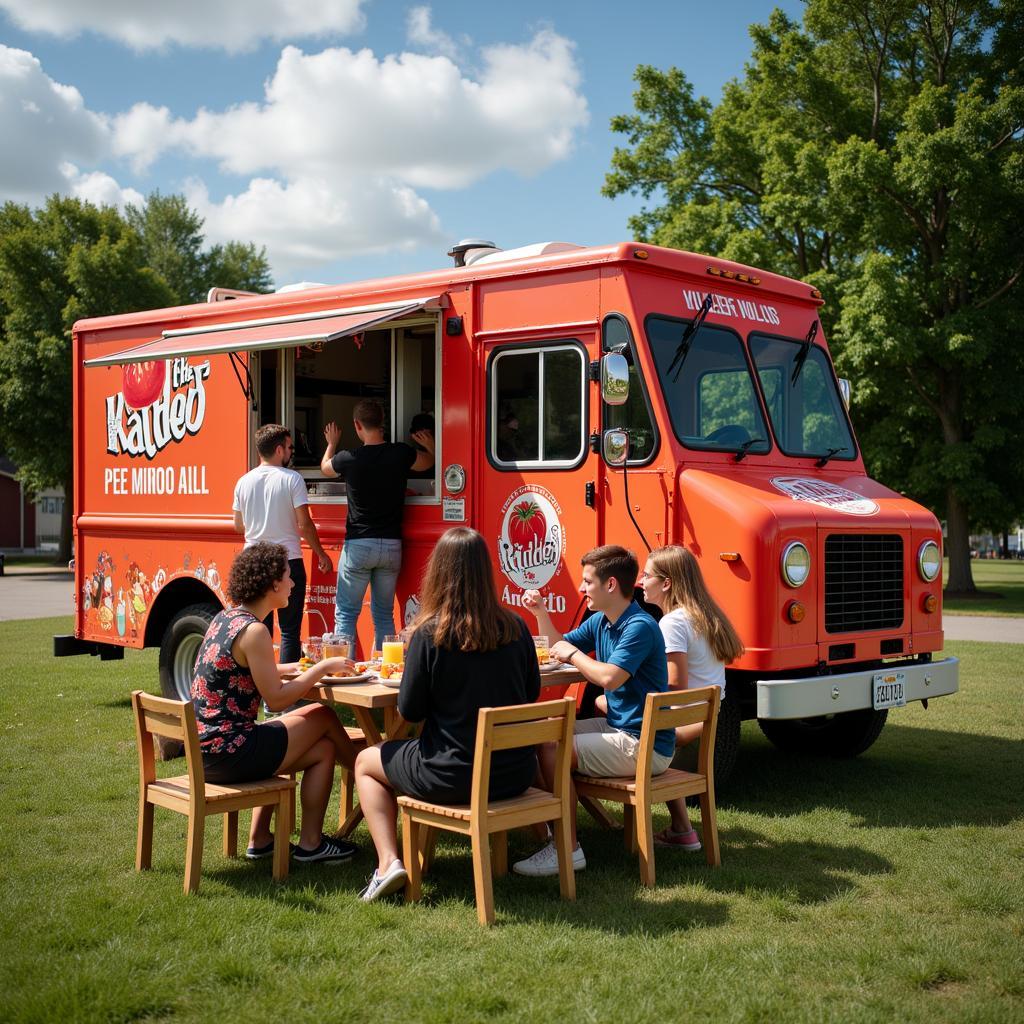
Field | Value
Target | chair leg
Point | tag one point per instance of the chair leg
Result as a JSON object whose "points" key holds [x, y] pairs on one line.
{"points": [[144, 845], [482, 881], [347, 798], [499, 854], [194, 851], [566, 874], [282, 835], [411, 856], [288, 820], [427, 845], [645, 842], [231, 834], [709, 828], [629, 827]]}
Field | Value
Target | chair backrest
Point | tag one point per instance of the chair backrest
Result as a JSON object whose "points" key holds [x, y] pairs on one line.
{"points": [[173, 719], [522, 725], [680, 707]]}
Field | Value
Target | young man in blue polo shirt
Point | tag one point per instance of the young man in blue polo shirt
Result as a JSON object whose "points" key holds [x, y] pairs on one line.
{"points": [[619, 648]]}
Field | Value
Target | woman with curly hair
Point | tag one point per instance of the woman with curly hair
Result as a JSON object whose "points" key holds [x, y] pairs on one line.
{"points": [[467, 653], [234, 671]]}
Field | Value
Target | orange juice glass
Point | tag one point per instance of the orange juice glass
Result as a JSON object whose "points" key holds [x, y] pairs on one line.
{"points": [[541, 645], [392, 650]]}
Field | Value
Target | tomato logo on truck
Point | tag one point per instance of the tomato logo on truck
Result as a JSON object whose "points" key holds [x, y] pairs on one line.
{"points": [[532, 541]]}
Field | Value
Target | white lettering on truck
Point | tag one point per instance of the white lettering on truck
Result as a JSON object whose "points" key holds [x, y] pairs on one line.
{"points": [[136, 432]]}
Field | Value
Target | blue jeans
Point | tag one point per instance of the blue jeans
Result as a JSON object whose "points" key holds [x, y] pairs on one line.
{"points": [[372, 561], [289, 619]]}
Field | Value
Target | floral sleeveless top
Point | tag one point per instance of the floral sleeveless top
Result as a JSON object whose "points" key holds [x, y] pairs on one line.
{"points": [[224, 693]]}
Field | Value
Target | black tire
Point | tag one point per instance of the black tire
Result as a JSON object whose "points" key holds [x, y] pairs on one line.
{"points": [[727, 742], [179, 648], [844, 735]]}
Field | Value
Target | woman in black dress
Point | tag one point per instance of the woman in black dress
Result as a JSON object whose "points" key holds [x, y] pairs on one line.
{"points": [[234, 670], [467, 653]]}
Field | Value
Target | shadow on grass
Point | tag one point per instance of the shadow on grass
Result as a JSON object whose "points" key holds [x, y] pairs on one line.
{"points": [[911, 777]]}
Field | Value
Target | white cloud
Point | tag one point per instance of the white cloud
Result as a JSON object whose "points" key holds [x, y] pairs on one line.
{"points": [[314, 221], [420, 32], [231, 25], [44, 125], [99, 189], [333, 156], [410, 117]]}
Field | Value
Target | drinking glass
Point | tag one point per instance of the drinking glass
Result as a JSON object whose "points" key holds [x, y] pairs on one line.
{"points": [[392, 650], [338, 646]]}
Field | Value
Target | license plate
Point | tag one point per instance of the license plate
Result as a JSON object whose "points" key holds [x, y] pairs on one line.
{"points": [[889, 690]]}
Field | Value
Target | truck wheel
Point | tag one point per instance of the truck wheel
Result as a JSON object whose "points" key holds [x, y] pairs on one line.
{"points": [[844, 735], [180, 647], [727, 744]]}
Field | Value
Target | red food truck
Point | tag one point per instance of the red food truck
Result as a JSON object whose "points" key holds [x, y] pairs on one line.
{"points": [[621, 394]]}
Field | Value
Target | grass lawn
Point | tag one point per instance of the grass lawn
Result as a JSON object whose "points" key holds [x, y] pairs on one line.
{"points": [[1000, 589], [887, 888]]}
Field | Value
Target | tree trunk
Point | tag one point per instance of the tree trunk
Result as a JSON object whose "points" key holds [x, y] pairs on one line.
{"points": [[1006, 544], [64, 554], [958, 546]]}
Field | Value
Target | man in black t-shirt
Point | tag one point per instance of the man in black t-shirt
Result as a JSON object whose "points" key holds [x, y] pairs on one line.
{"points": [[374, 476]]}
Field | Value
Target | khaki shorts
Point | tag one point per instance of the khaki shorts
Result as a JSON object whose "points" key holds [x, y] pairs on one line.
{"points": [[607, 752]]}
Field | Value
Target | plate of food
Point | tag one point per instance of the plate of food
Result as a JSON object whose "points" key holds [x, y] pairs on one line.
{"points": [[551, 666], [355, 677]]}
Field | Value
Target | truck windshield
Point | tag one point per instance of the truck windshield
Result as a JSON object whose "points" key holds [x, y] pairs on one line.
{"points": [[713, 401], [806, 412]]}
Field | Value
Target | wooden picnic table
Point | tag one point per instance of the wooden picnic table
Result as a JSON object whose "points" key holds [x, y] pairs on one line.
{"points": [[367, 697]]}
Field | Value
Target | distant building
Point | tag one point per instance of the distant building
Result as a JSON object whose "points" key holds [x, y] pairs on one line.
{"points": [[27, 524]]}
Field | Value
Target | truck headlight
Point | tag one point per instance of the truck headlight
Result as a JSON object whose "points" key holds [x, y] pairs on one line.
{"points": [[796, 564], [929, 560]]}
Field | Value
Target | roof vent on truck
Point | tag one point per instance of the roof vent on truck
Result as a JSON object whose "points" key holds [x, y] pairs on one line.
{"points": [[476, 250]]}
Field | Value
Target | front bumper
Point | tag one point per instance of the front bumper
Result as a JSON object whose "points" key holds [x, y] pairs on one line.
{"points": [[832, 695]]}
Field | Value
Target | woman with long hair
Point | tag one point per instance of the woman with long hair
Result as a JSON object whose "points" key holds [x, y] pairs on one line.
{"points": [[699, 642], [467, 653], [235, 669]]}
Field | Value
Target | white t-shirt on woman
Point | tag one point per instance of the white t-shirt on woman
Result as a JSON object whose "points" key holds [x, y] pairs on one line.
{"points": [[702, 667]]}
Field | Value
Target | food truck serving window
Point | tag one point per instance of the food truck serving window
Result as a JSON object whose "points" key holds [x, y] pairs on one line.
{"points": [[537, 415], [708, 387]]}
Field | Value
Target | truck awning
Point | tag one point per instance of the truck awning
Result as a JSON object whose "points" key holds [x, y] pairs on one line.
{"points": [[273, 332]]}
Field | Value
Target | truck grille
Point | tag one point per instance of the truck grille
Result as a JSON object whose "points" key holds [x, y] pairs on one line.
{"points": [[863, 582]]}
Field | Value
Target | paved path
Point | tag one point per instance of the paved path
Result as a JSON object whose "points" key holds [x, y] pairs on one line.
{"points": [[37, 593]]}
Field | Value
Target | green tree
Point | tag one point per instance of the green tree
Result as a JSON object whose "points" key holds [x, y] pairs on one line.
{"points": [[173, 245], [875, 152], [58, 264]]}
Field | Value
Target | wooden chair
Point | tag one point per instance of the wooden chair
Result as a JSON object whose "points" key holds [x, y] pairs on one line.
{"points": [[637, 795], [487, 821], [192, 796]]}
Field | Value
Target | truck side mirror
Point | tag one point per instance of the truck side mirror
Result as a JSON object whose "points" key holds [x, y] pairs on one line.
{"points": [[614, 378], [845, 389], [615, 447]]}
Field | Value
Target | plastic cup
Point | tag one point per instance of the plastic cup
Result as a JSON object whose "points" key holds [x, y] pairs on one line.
{"points": [[540, 643], [337, 647]]}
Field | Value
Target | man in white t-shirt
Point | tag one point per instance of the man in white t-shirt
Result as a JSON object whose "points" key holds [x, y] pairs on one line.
{"points": [[272, 503]]}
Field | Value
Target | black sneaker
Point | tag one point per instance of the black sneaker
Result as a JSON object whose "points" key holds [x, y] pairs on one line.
{"points": [[261, 852], [330, 851]]}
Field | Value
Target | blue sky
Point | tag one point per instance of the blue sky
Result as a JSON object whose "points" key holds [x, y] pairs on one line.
{"points": [[353, 138]]}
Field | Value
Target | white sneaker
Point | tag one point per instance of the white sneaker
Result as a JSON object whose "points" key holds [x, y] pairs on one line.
{"points": [[545, 862], [384, 885]]}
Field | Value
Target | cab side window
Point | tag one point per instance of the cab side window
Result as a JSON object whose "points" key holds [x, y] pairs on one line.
{"points": [[635, 415], [537, 400]]}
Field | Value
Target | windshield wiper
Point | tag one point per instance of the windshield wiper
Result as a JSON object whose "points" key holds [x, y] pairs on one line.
{"points": [[831, 453], [686, 340], [801, 356], [741, 452]]}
